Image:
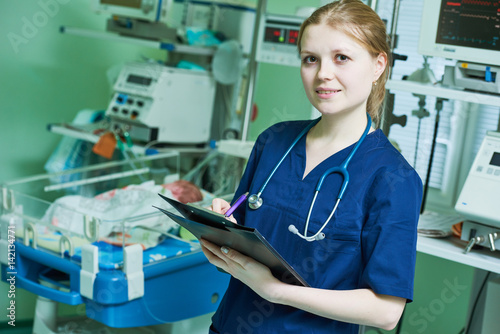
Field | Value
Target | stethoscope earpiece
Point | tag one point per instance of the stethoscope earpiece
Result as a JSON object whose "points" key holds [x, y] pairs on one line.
{"points": [[320, 236]]}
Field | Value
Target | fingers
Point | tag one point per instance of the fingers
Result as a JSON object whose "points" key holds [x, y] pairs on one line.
{"points": [[223, 257], [220, 206], [213, 248], [213, 254], [231, 218], [226, 254], [250, 272]]}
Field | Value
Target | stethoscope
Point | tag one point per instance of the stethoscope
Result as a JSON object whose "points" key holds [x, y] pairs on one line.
{"points": [[255, 201]]}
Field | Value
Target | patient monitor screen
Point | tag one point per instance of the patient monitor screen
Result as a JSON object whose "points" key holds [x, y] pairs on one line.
{"points": [[495, 159], [139, 80], [469, 24]]}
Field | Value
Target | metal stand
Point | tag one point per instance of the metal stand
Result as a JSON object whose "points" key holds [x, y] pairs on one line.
{"points": [[439, 107], [45, 321]]}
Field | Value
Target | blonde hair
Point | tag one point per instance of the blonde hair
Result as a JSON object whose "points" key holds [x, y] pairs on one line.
{"points": [[363, 24]]}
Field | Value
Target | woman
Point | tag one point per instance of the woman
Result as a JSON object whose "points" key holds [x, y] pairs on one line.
{"points": [[361, 265]]}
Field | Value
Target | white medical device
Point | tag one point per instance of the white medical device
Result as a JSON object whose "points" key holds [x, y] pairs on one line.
{"points": [[277, 43], [468, 32], [478, 77], [137, 18], [148, 10], [479, 200], [153, 102]]}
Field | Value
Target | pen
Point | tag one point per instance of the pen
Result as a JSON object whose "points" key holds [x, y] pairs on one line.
{"points": [[236, 204]]}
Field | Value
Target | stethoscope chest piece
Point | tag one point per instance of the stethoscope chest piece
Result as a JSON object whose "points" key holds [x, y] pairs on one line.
{"points": [[254, 201]]}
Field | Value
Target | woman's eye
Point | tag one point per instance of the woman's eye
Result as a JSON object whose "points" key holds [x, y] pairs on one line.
{"points": [[341, 58], [309, 60]]}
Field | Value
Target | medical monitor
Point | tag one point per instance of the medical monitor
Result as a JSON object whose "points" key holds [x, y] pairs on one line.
{"points": [[277, 42], [464, 30]]}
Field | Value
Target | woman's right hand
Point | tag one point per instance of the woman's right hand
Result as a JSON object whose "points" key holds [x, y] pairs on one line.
{"points": [[221, 206]]}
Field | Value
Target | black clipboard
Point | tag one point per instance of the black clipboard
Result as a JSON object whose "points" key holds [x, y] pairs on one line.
{"points": [[214, 227]]}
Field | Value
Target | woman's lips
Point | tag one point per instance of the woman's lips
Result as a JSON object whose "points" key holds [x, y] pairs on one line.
{"points": [[326, 93]]}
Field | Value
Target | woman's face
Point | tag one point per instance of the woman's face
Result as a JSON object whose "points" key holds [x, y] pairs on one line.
{"points": [[336, 71]]}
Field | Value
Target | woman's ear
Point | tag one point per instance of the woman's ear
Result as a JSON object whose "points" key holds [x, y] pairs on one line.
{"points": [[380, 65]]}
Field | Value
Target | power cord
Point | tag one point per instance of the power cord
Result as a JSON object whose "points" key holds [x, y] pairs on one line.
{"points": [[480, 292]]}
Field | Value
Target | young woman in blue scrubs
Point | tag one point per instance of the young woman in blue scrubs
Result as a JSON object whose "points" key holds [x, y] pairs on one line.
{"points": [[362, 271]]}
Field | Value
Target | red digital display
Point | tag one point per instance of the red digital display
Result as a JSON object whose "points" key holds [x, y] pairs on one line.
{"points": [[281, 35], [292, 36]]}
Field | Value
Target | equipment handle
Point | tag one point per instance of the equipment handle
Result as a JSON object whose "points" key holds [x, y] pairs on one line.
{"points": [[71, 298], [31, 265]]}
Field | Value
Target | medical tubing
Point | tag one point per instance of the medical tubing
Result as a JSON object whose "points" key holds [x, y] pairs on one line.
{"points": [[158, 11], [190, 175], [349, 157], [439, 107], [343, 167], [286, 154], [337, 169], [130, 144], [129, 160], [313, 237], [123, 150], [310, 211], [329, 217]]}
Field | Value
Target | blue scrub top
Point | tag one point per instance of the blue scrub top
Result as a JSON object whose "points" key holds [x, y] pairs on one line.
{"points": [[370, 242]]}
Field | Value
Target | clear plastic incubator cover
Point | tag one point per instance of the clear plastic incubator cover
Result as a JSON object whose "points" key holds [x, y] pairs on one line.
{"points": [[109, 205]]}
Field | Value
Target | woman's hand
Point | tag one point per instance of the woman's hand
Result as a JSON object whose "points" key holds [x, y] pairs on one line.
{"points": [[254, 274], [221, 206]]}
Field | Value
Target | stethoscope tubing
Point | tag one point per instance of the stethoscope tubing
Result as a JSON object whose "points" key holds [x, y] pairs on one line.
{"points": [[301, 134], [256, 200]]}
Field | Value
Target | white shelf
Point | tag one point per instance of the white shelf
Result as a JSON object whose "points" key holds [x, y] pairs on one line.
{"points": [[73, 132], [443, 92], [452, 249], [235, 148], [162, 45], [67, 130]]}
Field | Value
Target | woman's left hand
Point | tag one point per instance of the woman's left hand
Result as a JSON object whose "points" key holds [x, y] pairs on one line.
{"points": [[252, 273]]}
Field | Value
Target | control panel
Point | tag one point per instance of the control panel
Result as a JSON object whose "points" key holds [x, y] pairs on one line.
{"points": [[278, 36], [166, 104], [128, 106]]}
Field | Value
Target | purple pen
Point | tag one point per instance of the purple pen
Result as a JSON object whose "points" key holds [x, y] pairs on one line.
{"points": [[236, 204]]}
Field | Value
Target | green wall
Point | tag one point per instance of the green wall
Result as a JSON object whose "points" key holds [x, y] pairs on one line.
{"points": [[277, 101], [47, 77], [279, 93], [441, 296]]}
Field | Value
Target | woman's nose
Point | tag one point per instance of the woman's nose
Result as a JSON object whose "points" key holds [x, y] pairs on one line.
{"points": [[326, 71]]}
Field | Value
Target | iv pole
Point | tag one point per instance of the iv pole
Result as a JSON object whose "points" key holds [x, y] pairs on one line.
{"points": [[252, 69]]}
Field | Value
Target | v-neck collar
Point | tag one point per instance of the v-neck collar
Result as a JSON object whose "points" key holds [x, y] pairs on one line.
{"points": [[335, 159]]}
